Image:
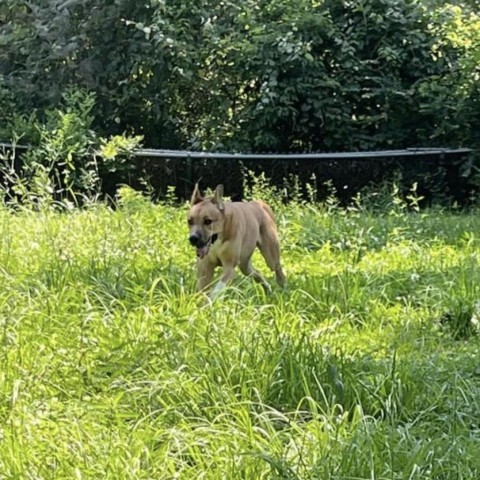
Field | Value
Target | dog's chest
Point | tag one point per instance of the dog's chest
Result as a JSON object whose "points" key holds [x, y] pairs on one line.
{"points": [[216, 251]]}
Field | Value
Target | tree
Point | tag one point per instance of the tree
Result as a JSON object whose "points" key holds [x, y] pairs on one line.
{"points": [[266, 75]]}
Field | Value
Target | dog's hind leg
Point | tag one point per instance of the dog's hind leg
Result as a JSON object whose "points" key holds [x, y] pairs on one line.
{"points": [[247, 269], [269, 247]]}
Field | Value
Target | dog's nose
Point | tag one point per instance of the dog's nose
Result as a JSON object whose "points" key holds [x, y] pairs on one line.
{"points": [[194, 239]]}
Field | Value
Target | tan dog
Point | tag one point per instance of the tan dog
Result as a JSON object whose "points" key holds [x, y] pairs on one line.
{"points": [[226, 234]]}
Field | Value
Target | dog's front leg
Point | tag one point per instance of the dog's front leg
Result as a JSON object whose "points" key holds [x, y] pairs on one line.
{"points": [[228, 274], [205, 270]]}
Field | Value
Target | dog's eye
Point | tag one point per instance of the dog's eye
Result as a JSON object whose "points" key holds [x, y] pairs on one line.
{"points": [[190, 221], [207, 221]]}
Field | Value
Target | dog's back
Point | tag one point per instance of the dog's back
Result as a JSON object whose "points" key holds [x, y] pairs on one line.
{"points": [[248, 219], [267, 209]]}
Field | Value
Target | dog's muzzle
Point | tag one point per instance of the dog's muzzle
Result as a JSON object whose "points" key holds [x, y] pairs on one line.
{"points": [[195, 240], [202, 247]]}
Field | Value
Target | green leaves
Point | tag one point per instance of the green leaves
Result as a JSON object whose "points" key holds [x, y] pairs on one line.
{"points": [[269, 75]]}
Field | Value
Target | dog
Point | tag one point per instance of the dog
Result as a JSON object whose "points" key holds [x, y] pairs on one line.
{"points": [[226, 234]]}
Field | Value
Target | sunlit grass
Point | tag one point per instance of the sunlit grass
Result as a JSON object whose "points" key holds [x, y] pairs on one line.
{"points": [[364, 367]]}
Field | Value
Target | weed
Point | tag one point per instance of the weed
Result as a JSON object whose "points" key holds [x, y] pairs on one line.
{"points": [[110, 369]]}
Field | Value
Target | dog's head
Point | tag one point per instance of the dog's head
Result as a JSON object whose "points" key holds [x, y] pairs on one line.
{"points": [[205, 220]]}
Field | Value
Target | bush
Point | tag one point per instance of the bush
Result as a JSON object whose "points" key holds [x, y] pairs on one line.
{"points": [[68, 161], [274, 75]]}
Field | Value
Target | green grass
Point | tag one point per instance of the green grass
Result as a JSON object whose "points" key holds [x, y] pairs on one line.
{"points": [[365, 367]]}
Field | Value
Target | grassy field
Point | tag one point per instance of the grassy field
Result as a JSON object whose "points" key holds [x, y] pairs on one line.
{"points": [[366, 366]]}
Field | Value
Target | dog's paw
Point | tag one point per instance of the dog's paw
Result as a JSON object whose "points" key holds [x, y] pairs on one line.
{"points": [[217, 290]]}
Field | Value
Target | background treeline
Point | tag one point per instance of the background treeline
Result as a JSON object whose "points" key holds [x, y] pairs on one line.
{"points": [[252, 76]]}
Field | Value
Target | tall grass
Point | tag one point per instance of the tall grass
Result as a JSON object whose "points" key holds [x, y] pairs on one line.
{"points": [[364, 367]]}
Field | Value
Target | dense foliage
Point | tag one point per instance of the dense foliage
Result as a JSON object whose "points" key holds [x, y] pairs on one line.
{"points": [[252, 75]]}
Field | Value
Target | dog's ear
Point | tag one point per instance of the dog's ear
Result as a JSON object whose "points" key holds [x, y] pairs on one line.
{"points": [[218, 198], [196, 195]]}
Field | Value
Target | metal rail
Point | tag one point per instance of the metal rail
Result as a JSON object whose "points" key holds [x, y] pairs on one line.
{"points": [[11, 146], [187, 154], [409, 152]]}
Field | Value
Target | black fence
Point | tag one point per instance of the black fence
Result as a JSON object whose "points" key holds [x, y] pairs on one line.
{"points": [[441, 173]]}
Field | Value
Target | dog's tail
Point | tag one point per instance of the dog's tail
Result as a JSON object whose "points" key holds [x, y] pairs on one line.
{"points": [[267, 209]]}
